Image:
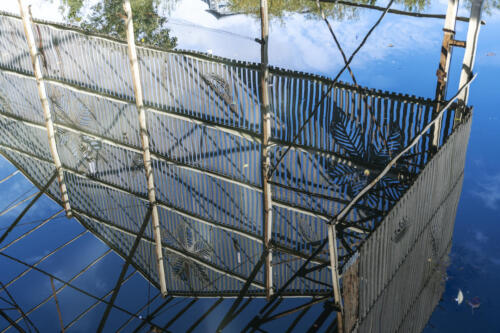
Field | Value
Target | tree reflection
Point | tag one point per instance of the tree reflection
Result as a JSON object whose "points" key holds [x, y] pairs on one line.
{"points": [[107, 17], [281, 8]]}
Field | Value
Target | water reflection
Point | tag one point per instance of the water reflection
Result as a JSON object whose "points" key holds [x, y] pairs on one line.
{"points": [[154, 37]]}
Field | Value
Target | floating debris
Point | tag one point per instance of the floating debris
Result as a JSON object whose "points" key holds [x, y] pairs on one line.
{"points": [[474, 303], [491, 54], [390, 45], [460, 297]]}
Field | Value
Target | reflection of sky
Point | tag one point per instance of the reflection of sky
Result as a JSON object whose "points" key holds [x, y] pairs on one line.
{"points": [[401, 56]]}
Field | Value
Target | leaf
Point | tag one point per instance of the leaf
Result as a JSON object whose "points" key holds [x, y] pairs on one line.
{"points": [[348, 134], [389, 145], [342, 174]]}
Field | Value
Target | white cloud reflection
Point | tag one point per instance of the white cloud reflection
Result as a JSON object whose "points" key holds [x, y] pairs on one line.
{"points": [[300, 43], [489, 191]]}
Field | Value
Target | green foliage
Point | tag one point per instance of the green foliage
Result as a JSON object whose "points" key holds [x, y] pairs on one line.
{"points": [[282, 8], [489, 6], [107, 17]]}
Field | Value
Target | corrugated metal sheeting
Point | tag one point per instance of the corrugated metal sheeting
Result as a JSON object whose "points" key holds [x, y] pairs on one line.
{"points": [[405, 255], [203, 118]]}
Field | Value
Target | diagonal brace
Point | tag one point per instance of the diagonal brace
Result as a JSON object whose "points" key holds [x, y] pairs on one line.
{"points": [[125, 266]]}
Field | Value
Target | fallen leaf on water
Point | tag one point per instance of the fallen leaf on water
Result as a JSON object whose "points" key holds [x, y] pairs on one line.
{"points": [[460, 297]]}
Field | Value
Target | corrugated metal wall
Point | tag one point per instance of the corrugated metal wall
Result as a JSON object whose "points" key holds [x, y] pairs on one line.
{"points": [[411, 243]]}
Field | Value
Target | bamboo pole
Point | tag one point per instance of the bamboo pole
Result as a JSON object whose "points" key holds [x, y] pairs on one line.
{"points": [[30, 39], [134, 67], [444, 63], [265, 159], [332, 248], [469, 55]]}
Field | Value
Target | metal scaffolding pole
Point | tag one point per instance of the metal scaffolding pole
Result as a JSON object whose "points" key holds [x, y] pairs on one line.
{"points": [[9, 176], [25, 210], [65, 283], [11, 322], [87, 310], [8, 209], [57, 305], [125, 266], [42, 259], [265, 158], [134, 67], [32, 230], [37, 70]]}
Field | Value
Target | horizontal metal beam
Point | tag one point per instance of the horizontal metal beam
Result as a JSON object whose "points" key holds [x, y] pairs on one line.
{"points": [[128, 192], [32, 230], [11, 322], [65, 283], [214, 224], [168, 248], [82, 314], [45, 257], [9, 208], [148, 303], [9, 176], [250, 136], [335, 157], [155, 156], [297, 308], [27, 208], [310, 212], [125, 266]]}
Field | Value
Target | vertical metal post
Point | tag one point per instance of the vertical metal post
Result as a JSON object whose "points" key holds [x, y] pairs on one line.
{"points": [[332, 247], [444, 63], [266, 133], [134, 67], [469, 55], [45, 105]]}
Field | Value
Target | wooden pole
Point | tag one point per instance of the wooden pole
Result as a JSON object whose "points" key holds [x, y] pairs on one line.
{"points": [[469, 55], [134, 67], [442, 72], [57, 304], [265, 158], [30, 39], [332, 248]]}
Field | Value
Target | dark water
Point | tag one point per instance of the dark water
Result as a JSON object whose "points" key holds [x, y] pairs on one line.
{"points": [[401, 56]]}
